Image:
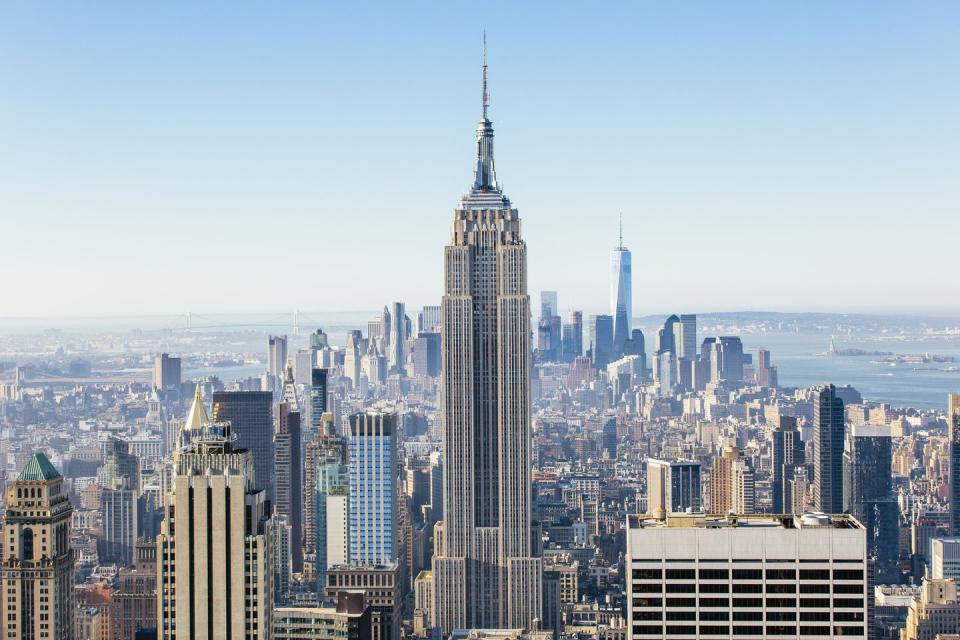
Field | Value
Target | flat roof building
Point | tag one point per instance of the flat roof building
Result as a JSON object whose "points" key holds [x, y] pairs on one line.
{"points": [[757, 576]]}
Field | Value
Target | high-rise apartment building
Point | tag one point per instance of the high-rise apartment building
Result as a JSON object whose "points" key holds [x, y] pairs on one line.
{"points": [[673, 486], [348, 619], [692, 576], [828, 450], [486, 571], [119, 511], [327, 472], [37, 565], [166, 372], [250, 414], [215, 564], [372, 471], [721, 480], [953, 442], [621, 295]]}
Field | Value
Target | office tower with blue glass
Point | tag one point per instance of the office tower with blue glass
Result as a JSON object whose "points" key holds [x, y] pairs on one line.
{"points": [[621, 294], [371, 462]]}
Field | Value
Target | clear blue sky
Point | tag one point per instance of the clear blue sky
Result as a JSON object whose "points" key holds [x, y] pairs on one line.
{"points": [[164, 157]]}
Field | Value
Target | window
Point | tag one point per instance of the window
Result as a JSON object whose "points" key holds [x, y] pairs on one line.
{"points": [[848, 631], [681, 615], [847, 574], [647, 630], [682, 629], [814, 574], [714, 588], [681, 574], [855, 589], [815, 603], [747, 574], [648, 574], [815, 616], [814, 588], [648, 615], [748, 616], [649, 587], [781, 602], [814, 631], [748, 602], [781, 616], [714, 630], [714, 602], [681, 587], [781, 588], [681, 602], [781, 574], [714, 615], [747, 631], [748, 588], [714, 574], [848, 603]]}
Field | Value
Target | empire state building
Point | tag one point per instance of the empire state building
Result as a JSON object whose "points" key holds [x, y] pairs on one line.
{"points": [[486, 570]]}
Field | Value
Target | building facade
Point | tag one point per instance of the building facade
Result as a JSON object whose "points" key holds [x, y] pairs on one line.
{"points": [[486, 569], [371, 467], [37, 566], [693, 576], [828, 450], [214, 557]]}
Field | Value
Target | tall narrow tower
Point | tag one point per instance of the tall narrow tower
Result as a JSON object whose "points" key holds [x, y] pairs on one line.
{"points": [[37, 565], [486, 571], [621, 293]]}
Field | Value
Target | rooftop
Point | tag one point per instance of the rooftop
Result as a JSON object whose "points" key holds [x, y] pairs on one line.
{"points": [[38, 468], [752, 521]]}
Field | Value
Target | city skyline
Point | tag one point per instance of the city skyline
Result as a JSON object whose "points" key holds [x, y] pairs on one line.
{"points": [[715, 153]]}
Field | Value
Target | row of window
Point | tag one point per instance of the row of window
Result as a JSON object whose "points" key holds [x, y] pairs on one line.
{"points": [[769, 630], [749, 587], [747, 574], [758, 603], [648, 615]]}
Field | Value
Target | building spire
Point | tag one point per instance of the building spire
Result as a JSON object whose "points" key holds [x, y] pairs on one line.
{"points": [[621, 229], [484, 177], [486, 93]]}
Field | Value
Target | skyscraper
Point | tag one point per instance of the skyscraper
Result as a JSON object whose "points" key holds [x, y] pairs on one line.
{"points": [[486, 573], [601, 341], [953, 440], [37, 565], [371, 467], [215, 568], [673, 486], [276, 356], [868, 496], [251, 423], [318, 401], [288, 480], [828, 450], [621, 294], [548, 304], [787, 451], [399, 333], [573, 337], [686, 332], [166, 372]]}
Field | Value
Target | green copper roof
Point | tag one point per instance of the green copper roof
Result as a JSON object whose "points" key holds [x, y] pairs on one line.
{"points": [[38, 468]]}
